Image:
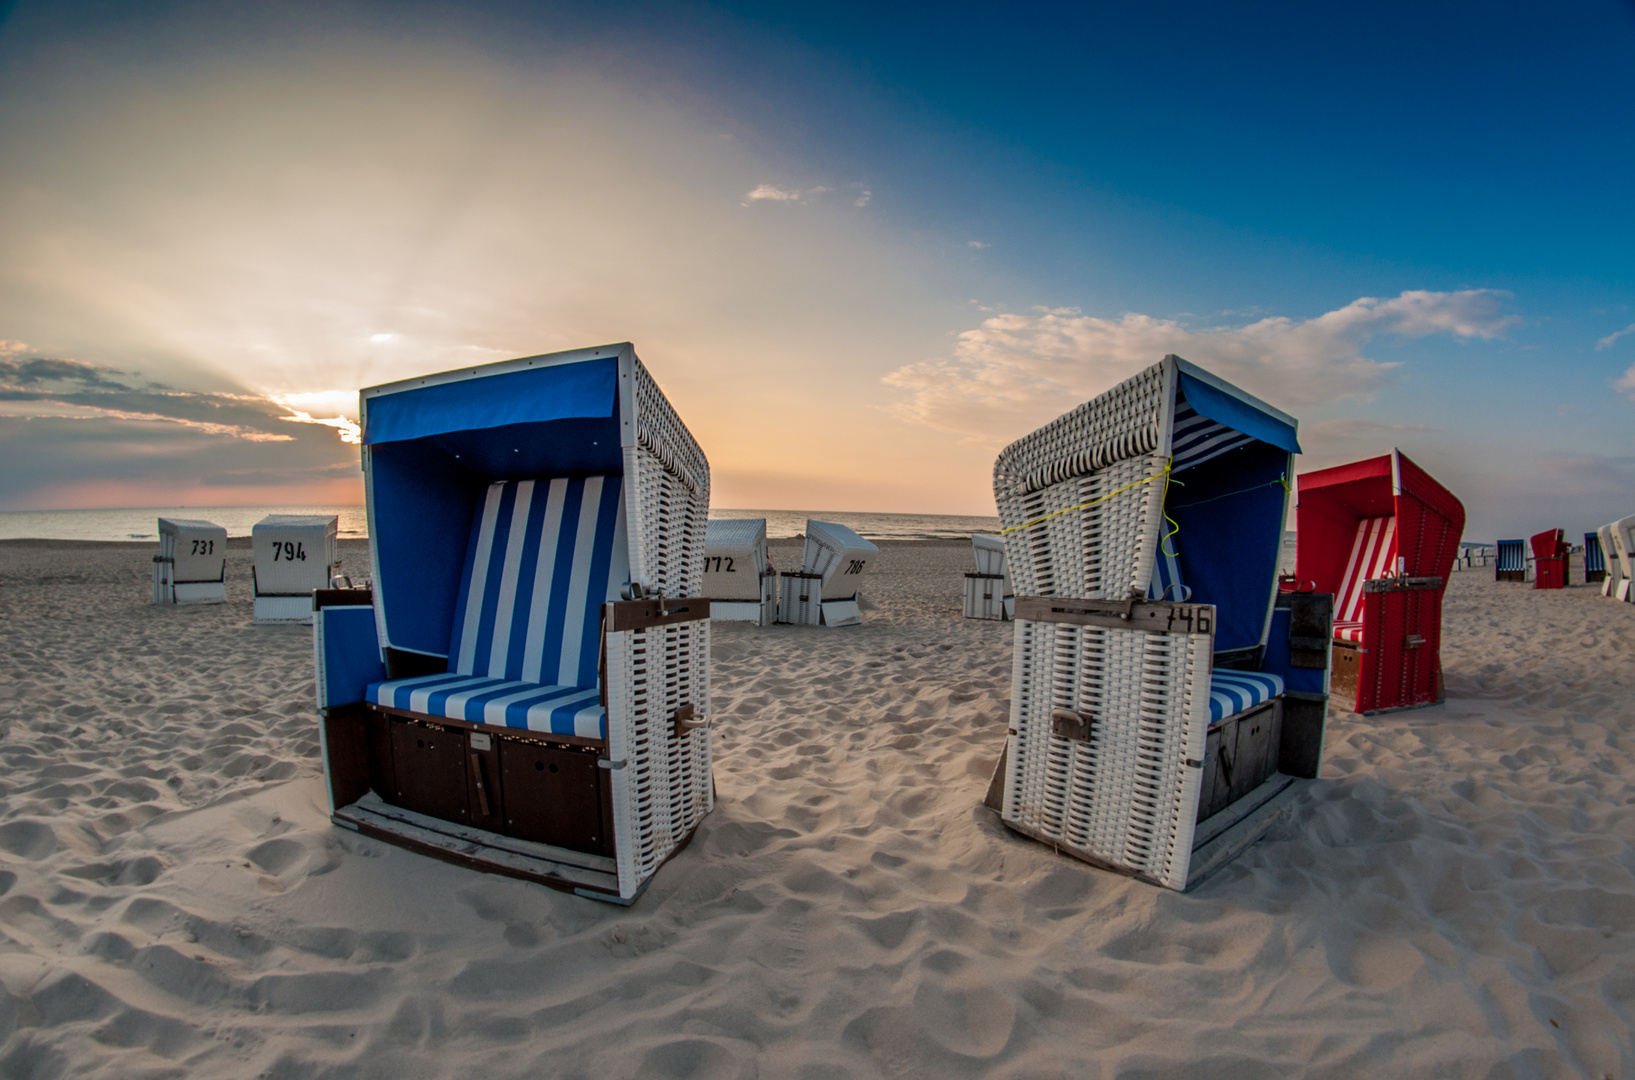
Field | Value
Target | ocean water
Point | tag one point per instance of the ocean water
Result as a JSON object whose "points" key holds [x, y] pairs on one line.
{"points": [[140, 523], [786, 523]]}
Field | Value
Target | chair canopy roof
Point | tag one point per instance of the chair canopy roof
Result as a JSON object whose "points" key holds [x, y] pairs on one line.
{"points": [[1335, 504], [1548, 544], [434, 445]]}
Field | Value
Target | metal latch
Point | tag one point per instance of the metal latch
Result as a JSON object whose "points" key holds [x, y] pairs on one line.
{"points": [[1067, 724], [609, 763], [1413, 641]]}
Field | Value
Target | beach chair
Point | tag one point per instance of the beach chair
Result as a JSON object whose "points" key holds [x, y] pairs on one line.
{"points": [[988, 591], [294, 554], [1165, 695], [738, 578], [1511, 563], [1550, 553], [1382, 536], [1622, 535], [527, 690], [1609, 557], [824, 591], [191, 567], [1595, 559]]}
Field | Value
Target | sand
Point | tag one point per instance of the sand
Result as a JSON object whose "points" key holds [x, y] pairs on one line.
{"points": [[1456, 897]]}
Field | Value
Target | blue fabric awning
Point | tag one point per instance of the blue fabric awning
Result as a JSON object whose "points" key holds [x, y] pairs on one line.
{"points": [[587, 389], [1237, 414]]}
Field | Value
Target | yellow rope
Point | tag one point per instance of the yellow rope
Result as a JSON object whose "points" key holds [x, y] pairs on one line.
{"points": [[1164, 475]]}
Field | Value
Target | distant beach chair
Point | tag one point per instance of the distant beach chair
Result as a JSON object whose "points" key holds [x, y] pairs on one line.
{"points": [[738, 578], [1622, 535], [528, 692], [1382, 535], [1511, 563], [1550, 553], [988, 591], [191, 567], [294, 554], [1595, 559], [824, 591], [1166, 694]]}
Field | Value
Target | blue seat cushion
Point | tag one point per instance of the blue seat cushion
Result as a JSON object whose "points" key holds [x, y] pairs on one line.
{"points": [[479, 699], [1232, 692]]}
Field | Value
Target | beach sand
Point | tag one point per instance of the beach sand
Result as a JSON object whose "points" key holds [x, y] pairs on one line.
{"points": [[1455, 898]]}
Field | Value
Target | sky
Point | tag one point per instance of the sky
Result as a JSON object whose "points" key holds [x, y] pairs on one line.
{"points": [[860, 249]]}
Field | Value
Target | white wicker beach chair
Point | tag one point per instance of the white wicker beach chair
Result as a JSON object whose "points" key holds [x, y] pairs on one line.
{"points": [[191, 567], [738, 577], [532, 694], [1165, 696], [988, 591], [824, 590], [1622, 535], [1612, 566], [294, 554]]}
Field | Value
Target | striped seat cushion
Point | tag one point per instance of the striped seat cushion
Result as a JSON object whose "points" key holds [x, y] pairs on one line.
{"points": [[1232, 692], [544, 556], [477, 699], [1373, 556]]}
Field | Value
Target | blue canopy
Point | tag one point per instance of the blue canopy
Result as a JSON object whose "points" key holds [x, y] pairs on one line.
{"points": [[583, 390], [1237, 414]]}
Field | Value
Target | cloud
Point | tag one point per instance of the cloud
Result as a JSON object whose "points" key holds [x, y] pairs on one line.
{"points": [[1607, 342], [50, 386], [771, 193], [978, 244], [1627, 383], [863, 199], [349, 429], [1015, 372]]}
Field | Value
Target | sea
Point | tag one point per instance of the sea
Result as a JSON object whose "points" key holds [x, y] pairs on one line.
{"points": [[141, 523]]}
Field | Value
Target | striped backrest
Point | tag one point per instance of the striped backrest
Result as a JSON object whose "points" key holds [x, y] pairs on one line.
{"points": [[1197, 438], [1512, 555], [1595, 560], [1373, 556], [544, 556]]}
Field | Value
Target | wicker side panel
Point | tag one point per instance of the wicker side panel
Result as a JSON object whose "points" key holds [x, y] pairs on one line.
{"points": [[1126, 796], [670, 497], [668, 522], [1077, 538], [663, 788]]}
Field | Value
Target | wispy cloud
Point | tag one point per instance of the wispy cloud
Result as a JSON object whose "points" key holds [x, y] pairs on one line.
{"points": [[771, 193], [349, 429], [863, 199], [1608, 341], [976, 244], [1015, 371]]}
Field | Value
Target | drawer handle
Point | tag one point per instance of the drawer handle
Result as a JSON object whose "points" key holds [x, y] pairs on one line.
{"points": [[687, 719]]}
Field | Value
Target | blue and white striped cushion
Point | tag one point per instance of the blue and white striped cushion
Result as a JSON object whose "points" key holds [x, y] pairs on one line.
{"points": [[544, 556], [1512, 555], [1232, 692], [1197, 438], [477, 699]]}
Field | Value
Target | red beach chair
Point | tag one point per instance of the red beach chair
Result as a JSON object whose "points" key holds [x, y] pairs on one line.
{"points": [[1549, 560], [1382, 536]]}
